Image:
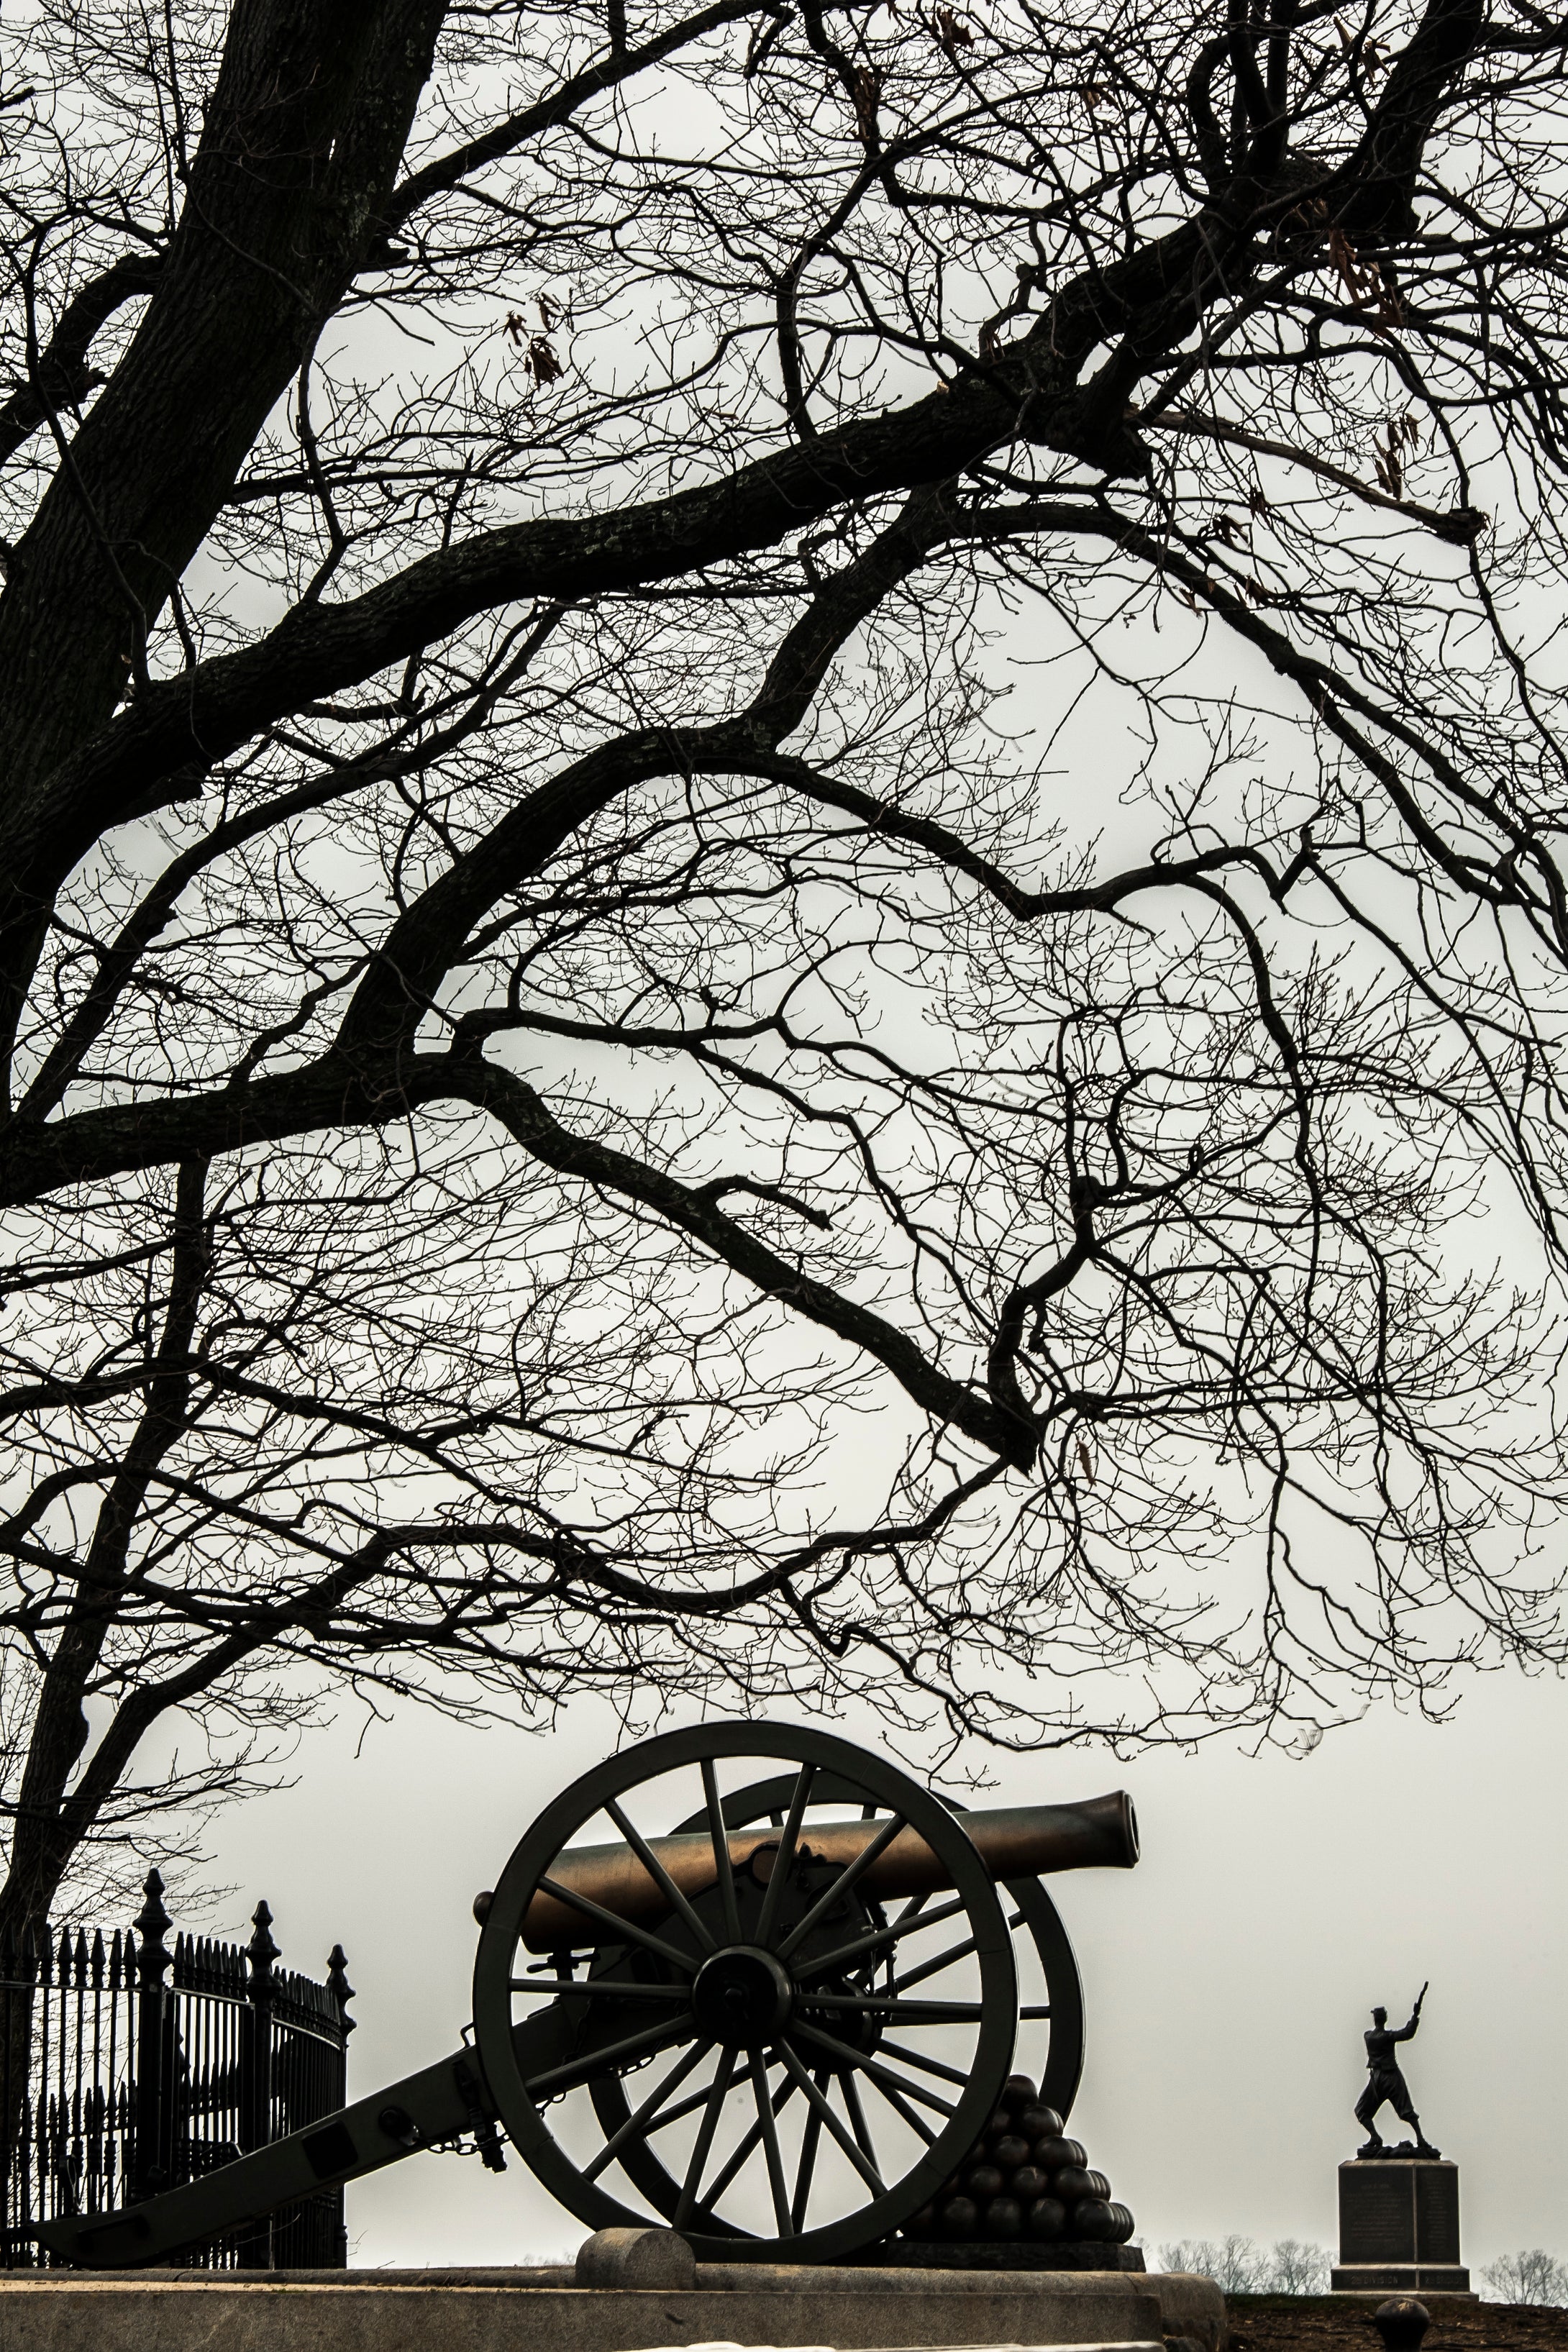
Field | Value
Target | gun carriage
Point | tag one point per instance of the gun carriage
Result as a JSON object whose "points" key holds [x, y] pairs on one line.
{"points": [[779, 2015]]}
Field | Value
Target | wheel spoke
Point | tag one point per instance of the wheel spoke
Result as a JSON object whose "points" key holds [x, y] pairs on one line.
{"points": [[784, 1855], [877, 2073], [862, 2129], [658, 1872], [746, 2145], [916, 2122], [716, 2093], [805, 2169], [590, 1987], [639, 2117], [937, 2067], [823, 2114], [769, 2122], [933, 1968], [846, 1879], [888, 2004], [873, 1941], [682, 2109], [623, 1929], [595, 2062], [722, 1864]]}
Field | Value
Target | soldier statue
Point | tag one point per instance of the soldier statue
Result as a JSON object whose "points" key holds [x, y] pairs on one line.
{"points": [[1384, 2080]]}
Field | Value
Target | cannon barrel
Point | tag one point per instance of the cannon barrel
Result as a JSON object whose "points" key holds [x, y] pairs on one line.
{"points": [[1017, 1842]]}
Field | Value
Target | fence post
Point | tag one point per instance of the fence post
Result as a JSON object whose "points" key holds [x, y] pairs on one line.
{"points": [[342, 1993], [255, 2249], [152, 2120]]}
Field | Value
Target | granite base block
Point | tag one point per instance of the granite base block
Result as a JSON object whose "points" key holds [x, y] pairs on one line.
{"points": [[1399, 2213], [1005, 2255], [1400, 2278]]}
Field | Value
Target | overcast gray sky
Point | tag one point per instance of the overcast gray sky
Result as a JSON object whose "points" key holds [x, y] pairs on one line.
{"points": [[1227, 1979]]}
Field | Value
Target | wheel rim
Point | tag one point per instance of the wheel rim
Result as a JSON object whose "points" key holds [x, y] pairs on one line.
{"points": [[810, 2114], [1032, 1907]]}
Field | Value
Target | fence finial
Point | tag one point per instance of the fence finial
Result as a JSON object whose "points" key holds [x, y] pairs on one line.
{"points": [[151, 1924], [261, 1952], [338, 1985]]}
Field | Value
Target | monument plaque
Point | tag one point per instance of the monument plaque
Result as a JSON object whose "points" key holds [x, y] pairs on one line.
{"points": [[1438, 2212], [1377, 2213]]}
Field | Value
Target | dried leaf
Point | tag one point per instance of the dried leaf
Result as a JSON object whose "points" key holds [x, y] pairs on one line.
{"points": [[1346, 260], [1390, 466]]}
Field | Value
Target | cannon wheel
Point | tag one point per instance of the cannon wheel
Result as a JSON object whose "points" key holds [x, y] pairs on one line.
{"points": [[1030, 1907], [848, 2027]]}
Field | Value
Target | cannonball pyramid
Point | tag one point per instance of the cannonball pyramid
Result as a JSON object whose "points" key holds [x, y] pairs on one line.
{"points": [[1024, 2179]]}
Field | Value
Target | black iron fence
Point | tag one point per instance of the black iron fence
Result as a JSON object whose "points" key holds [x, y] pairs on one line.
{"points": [[127, 2066]]}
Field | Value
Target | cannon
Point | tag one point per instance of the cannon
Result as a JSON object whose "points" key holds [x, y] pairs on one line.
{"points": [[778, 2021]]}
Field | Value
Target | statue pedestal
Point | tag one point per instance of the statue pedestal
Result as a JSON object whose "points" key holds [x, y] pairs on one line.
{"points": [[1399, 2227]]}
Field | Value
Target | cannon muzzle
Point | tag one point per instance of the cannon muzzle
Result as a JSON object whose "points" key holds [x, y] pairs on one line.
{"points": [[1019, 1841]]}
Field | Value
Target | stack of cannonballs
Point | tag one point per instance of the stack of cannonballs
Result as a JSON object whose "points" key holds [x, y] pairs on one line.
{"points": [[1024, 2179]]}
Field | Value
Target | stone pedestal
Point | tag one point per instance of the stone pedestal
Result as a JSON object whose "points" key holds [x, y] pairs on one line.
{"points": [[1399, 2227]]}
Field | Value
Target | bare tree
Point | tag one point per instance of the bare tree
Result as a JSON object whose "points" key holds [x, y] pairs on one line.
{"points": [[1535, 2276], [1241, 2266], [589, 1102]]}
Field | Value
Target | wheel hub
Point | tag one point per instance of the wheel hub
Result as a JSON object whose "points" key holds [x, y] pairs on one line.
{"points": [[741, 1997]]}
